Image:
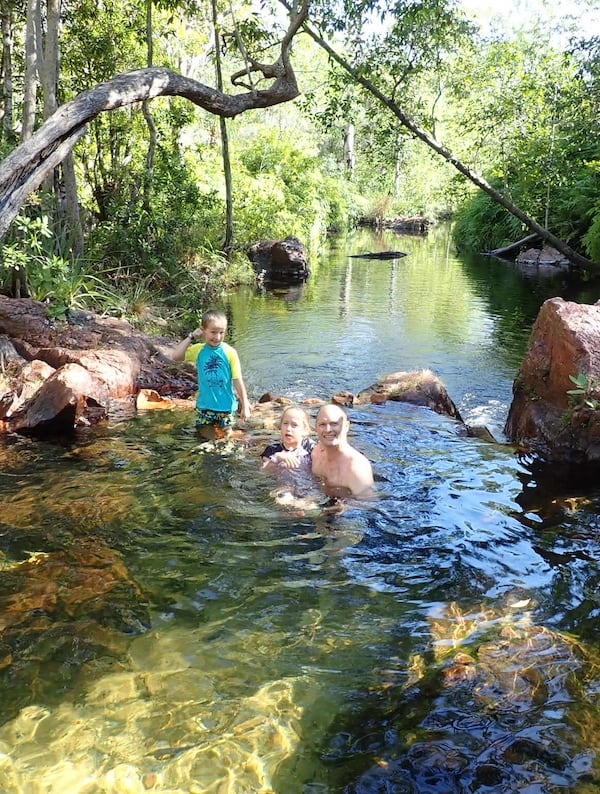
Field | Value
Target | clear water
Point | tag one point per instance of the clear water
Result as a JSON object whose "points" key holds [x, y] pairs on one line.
{"points": [[166, 626]]}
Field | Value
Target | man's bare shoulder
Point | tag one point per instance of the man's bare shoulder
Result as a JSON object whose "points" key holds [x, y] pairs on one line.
{"points": [[361, 468]]}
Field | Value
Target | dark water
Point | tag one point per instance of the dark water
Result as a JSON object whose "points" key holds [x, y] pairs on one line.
{"points": [[166, 626]]}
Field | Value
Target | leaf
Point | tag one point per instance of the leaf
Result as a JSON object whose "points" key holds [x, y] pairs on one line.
{"points": [[580, 381]]}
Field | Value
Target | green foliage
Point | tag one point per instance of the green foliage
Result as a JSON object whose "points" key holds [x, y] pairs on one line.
{"points": [[482, 225], [591, 238], [529, 115], [28, 259], [585, 389], [99, 41], [45, 276], [588, 199], [281, 189], [156, 240]]}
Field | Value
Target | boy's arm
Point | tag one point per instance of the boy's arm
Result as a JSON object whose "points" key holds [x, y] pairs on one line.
{"points": [[240, 390], [177, 353]]}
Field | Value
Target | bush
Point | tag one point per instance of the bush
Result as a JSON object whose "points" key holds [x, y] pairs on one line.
{"points": [[482, 225]]}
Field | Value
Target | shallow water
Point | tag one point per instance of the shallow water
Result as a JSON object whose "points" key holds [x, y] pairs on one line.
{"points": [[168, 627]]}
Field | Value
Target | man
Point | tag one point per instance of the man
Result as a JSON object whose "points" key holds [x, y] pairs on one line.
{"points": [[342, 468]]}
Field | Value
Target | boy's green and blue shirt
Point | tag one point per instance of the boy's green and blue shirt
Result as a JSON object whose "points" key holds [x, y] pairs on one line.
{"points": [[217, 368]]}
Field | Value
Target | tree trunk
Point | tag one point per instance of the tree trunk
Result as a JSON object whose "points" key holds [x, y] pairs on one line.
{"points": [[349, 153], [30, 86], [147, 113], [228, 242], [48, 65], [63, 185], [515, 247], [7, 77], [26, 167], [423, 135]]}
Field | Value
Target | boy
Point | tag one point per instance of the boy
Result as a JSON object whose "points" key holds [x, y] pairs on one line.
{"points": [[220, 382]]}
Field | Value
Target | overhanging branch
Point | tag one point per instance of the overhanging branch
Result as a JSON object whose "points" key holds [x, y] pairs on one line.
{"points": [[26, 167]]}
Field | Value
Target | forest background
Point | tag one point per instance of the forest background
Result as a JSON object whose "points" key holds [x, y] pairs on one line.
{"points": [[151, 214]]}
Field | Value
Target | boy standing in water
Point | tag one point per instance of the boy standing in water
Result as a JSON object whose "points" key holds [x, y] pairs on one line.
{"points": [[220, 384]]}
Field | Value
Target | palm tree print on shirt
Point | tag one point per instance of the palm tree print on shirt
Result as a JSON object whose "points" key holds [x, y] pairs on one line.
{"points": [[215, 371]]}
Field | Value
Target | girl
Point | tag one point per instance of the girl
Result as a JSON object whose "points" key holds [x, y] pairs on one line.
{"points": [[294, 449]]}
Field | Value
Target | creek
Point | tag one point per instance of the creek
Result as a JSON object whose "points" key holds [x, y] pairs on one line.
{"points": [[167, 626]]}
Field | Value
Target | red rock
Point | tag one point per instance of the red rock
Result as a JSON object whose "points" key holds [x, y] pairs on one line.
{"points": [[564, 342]]}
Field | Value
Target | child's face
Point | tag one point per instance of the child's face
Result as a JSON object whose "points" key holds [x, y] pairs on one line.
{"points": [[214, 332], [293, 428]]}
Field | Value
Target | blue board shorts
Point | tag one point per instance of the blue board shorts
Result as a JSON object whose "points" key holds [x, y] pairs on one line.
{"points": [[206, 416]]}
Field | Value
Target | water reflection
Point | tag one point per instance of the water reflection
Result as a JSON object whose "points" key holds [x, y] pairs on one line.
{"points": [[166, 626]]}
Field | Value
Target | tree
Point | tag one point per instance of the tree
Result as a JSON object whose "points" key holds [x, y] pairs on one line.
{"points": [[31, 162], [358, 74], [228, 242], [31, 77], [6, 18]]}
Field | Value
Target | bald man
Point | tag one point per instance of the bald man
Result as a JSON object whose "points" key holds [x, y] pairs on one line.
{"points": [[343, 469]]}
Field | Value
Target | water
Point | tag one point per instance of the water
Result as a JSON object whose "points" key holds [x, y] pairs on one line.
{"points": [[166, 626]]}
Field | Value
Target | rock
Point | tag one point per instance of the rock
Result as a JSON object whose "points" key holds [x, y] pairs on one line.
{"points": [[543, 416], [267, 397], [517, 686], [481, 432], [151, 400], [421, 387], [60, 375], [76, 604], [71, 396], [33, 374], [280, 261], [542, 261]]}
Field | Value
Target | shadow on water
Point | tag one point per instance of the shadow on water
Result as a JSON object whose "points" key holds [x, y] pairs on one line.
{"points": [[167, 626]]}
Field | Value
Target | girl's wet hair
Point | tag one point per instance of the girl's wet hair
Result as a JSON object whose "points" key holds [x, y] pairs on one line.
{"points": [[299, 410]]}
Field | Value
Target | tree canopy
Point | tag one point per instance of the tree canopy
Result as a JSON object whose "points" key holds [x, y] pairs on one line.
{"points": [[365, 108]]}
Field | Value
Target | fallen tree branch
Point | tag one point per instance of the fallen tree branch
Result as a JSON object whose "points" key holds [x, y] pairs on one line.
{"points": [[513, 248]]}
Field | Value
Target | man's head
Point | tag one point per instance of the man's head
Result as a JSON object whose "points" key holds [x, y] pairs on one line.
{"points": [[214, 325], [332, 425]]}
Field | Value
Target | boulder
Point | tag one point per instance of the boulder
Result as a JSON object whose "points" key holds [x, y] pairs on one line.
{"points": [[545, 262], [69, 397], [280, 261], [421, 387], [59, 375], [550, 415]]}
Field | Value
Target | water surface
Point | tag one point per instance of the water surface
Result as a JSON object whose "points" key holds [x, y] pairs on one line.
{"points": [[168, 627]]}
